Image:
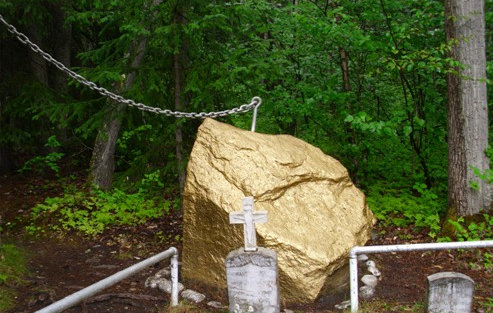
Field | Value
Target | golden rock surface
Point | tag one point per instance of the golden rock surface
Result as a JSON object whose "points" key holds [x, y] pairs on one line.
{"points": [[315, 213]]}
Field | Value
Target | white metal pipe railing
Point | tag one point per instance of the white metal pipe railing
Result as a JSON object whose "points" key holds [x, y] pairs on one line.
{"points": [[91, 290], [353, 261]]}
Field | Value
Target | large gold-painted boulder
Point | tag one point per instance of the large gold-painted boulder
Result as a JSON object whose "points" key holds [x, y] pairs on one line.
{"points": [[315, 213]]}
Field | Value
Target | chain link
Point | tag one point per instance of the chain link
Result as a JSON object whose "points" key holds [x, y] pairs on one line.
{"points": [[255, 102]]}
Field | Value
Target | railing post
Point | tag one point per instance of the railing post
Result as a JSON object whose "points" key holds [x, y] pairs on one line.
{"points": [[353, 254], [109, 281], [353, 277], [255, 109], [174, 279]]}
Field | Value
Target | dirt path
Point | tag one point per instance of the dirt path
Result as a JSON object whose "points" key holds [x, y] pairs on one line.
{"points": [[62, 265], [61, 268]]}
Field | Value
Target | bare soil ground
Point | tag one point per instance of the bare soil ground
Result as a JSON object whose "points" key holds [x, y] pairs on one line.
{"points": [[60, 265]]}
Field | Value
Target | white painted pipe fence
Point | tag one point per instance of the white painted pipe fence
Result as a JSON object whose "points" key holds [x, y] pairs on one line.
{"points": [[353, 254], [91, 290]]}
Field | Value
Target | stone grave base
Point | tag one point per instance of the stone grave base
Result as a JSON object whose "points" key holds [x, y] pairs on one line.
{"points": [[252, 279]]}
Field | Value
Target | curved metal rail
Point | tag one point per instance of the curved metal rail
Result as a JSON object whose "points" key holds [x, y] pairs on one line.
{"points": [[91, 290], [353, 261]]}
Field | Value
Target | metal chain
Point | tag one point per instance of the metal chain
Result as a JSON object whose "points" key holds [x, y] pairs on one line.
{"points": [[255, 102]]}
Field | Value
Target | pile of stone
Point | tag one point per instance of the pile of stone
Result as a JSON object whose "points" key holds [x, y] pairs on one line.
{"points": [[162, 281], [369, 280]]}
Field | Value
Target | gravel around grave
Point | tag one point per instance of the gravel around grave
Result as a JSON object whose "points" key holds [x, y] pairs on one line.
{"points": [[60, 265]]}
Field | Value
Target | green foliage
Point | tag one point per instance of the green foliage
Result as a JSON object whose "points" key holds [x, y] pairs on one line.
{"points": [[488, 304], [401, 208], [388, 128], [131, 145], [12, 263], [50, 161], [471, 230], [12, 269], [486, 175], [91, 213]]}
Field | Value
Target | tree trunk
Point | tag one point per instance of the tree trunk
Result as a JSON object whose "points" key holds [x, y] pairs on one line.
{"points": [[39, 67], [178, 124], [467, 108], [63, 39], [345, 70], [103, 156], [346, 87], [179, 61], [6, 163], [62, 42]]}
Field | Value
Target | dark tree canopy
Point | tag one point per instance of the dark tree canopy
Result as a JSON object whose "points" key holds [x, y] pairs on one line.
{"points": [[366, 81]]}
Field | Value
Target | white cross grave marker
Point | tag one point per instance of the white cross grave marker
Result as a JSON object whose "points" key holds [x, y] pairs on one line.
{"points": [[249, 219]]}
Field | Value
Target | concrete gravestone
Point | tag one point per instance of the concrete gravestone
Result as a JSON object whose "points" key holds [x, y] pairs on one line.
{"points": [[251, 271], [450, 292]]}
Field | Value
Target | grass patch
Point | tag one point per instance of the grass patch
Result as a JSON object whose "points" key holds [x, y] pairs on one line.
{"points": [[12, 270]]}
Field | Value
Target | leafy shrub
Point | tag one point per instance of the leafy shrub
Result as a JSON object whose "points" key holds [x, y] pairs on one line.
{"points": [[91, 213], [401, 208], [50, 161], [471, 231]]}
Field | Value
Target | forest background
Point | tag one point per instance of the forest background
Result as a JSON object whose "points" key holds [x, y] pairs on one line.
{"points": [[365, 81]]}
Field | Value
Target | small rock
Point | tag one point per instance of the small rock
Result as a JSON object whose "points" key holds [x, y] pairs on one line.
{"points": [[106, 266], [151, 282], [94, 259], [374, 235], [362, 258], [42, 297], [343, 305], [165, 285], [166, 273], [162, 283], [32, 302], [193, 296], [369, 280], [370, 263], [366, 292], [374, 271], [216, 305]]}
